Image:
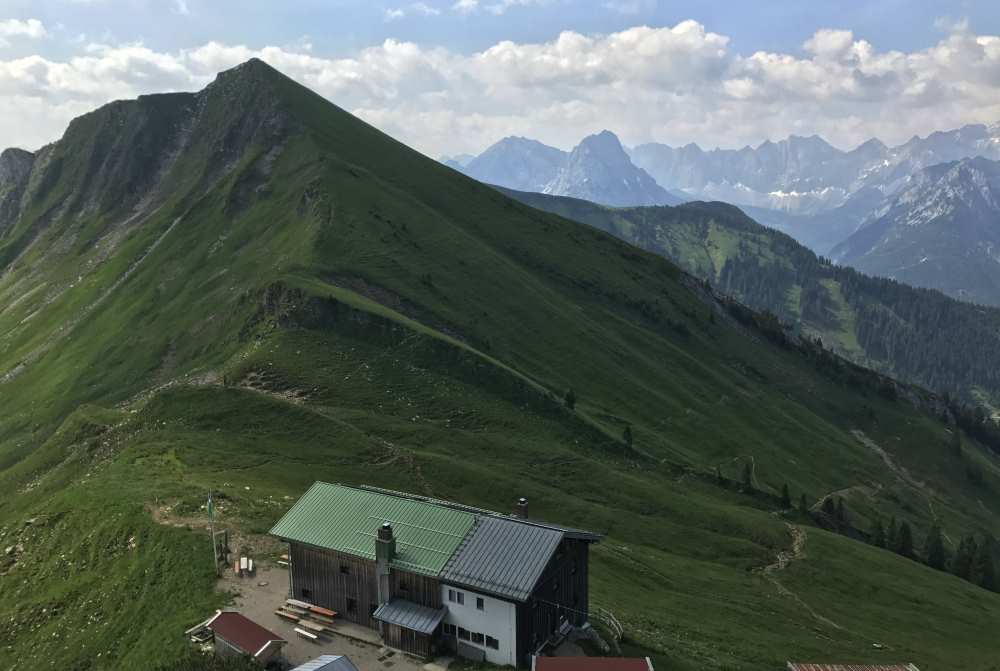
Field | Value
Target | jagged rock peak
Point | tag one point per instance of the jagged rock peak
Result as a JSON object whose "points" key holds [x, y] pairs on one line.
{"points": [[15, 164]]}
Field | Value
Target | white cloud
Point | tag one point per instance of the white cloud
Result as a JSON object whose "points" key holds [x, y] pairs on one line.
{"points": [[181, 7], [418, 8], [672, 84], [495, 7], [29, 29], [466, 6], [630, 7]]}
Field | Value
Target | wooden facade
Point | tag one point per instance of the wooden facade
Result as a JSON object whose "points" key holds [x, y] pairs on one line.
{"points": [[348, 585], [335, 580], [408, 640], [559, 595]]}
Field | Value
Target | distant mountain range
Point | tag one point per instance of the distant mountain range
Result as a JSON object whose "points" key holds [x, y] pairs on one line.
{"points": [[860, 206], [941, 230], [598, 169], [806, 175]]}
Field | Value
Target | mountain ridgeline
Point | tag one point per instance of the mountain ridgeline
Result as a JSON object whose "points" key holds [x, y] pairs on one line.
{"points": [[598, 169], [806, 175], [913, 334], [247, 289]]}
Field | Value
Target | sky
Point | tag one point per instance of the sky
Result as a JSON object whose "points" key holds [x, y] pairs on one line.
{"points": [[454, 76]]}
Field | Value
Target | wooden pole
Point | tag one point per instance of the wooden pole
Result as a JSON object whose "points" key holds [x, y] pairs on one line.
{"points": [[211, 527]]}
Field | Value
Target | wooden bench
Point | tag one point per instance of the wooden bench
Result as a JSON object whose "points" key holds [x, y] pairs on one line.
{"points": [[306, 634], [299, 604], [312, 626], [323, 612], [285, 614]]}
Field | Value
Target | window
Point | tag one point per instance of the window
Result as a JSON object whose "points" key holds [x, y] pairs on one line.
{"points": [[449, 629], [352, 605], [477, 638], [480, 603], [463, 634], [345, 569], [492, 643], [307, 593], [456, 597]]}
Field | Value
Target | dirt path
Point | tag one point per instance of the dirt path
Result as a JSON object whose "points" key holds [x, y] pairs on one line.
{"points": [[796, 552], [783, 559], [899, 471], [869, 490]]}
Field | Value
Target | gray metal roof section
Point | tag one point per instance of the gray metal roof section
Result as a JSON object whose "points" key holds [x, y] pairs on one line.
{"points": [[328, 663], [409, 615], [502, 556]]}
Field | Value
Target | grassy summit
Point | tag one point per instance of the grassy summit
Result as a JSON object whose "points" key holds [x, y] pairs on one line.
{"points": [[251, 290]]}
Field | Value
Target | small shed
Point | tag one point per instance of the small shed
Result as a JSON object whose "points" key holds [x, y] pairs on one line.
{"points": [[238, 635], [328, 663], [591, 664]]}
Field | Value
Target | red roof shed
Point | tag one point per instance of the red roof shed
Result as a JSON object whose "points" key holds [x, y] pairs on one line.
{"points": [[591, 664], [244, 635]]}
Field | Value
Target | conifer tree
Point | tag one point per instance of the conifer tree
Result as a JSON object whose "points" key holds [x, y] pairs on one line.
{"points": [[786, 497], [841, 515], [570, 399], [892, 535], [627, 436], [904, 541], [934, 551], [878, 533], [803, 504], [961, 565], [983, 570]]}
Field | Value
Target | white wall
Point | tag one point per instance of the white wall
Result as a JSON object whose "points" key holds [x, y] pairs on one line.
{"points": [[497, 619]]}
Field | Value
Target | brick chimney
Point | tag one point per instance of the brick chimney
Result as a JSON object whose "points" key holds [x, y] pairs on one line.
{"points": [[521, 509]]}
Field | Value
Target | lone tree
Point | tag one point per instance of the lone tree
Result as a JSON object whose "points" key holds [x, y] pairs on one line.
{"points": [[961, 565], [983, 570], [829, 509], [878, 533], [570, 399], [786, 498], [904, 543], [892, 535], [934, 551], [627, 436]]}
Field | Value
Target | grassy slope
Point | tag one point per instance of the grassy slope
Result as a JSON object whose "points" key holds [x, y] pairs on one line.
{"points": [[417, 334]]}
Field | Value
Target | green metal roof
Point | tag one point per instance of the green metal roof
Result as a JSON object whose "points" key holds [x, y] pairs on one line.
{"points": [[346, 519]]}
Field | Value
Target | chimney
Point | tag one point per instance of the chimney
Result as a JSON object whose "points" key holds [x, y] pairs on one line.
{"points": [[385, 551], [521, 509]]}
